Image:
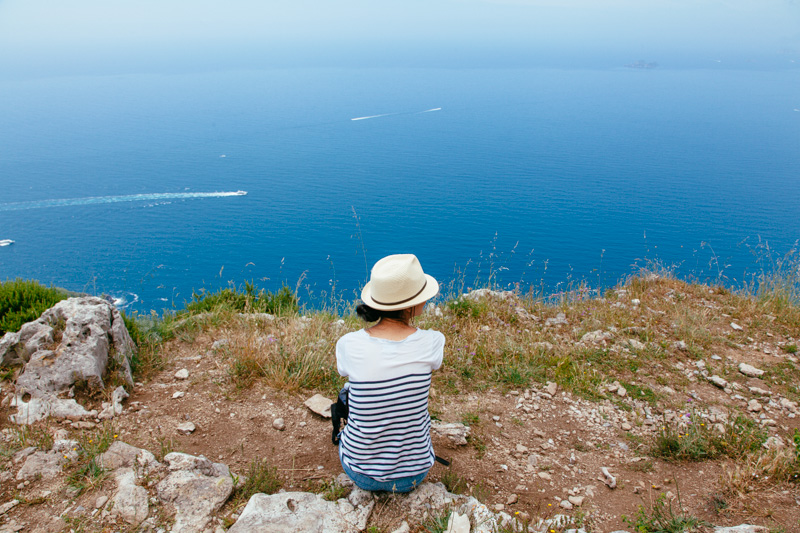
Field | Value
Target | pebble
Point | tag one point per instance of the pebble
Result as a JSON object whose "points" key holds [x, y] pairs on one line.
{"points": [[545, 476], [750, 371], [512, 499], [718, 381], [754, 407], [279, 424], [626, 426], [577, 501], [736, 326], [100, 502], [178, 394], [186, 428], [182, 374], [566, 504]]}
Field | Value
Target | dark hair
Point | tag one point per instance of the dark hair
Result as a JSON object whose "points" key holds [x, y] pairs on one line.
{"points": [[369, 314]]}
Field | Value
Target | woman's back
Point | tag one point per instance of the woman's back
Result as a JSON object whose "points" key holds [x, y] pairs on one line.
{"points": [[387, 435]]}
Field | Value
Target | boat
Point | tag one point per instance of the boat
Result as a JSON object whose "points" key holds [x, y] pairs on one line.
{"points": [[6, 242]]}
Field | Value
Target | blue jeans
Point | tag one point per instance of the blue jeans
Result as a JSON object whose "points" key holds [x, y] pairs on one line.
{"points": [[405, 484]]}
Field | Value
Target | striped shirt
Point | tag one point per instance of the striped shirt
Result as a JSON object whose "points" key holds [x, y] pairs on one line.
{"points": [[387, 435]]}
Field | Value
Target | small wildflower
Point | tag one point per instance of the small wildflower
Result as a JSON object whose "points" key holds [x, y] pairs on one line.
{"points": [[115, 436]]}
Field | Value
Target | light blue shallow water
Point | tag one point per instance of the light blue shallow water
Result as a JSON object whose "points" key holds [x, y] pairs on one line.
{"points": [[584, 171]]}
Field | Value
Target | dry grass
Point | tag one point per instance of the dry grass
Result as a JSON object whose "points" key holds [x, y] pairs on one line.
{"points": [[758, 470], [285, 353]]}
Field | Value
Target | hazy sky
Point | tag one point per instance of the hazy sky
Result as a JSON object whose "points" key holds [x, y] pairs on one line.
{"points": [[80, 33]]}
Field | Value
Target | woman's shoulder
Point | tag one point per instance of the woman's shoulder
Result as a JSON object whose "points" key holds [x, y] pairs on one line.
{"points": [[432, 335], [352, 335]]}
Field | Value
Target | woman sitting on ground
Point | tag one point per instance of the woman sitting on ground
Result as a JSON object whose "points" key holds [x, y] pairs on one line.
{"points": [[386, 444]]}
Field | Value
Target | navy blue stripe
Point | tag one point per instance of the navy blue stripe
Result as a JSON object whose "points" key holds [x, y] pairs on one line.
{"points": [[384, 421], [386, 389], [401, 444], [374, 432], [418, 392], [387, 380], [360, 413]]}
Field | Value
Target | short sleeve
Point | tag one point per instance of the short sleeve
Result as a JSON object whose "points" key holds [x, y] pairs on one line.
{"points": [[341, 358], [437, 351]]}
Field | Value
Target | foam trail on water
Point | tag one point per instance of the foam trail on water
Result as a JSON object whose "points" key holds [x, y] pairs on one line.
{"points": [[373, 116], [429, 110], [91, 200]]}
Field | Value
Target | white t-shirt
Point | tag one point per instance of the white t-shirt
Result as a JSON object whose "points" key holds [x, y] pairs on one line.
{"points": [[387, 435]]}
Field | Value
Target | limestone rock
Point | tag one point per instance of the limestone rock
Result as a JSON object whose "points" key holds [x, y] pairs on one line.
{"points": [[279, 424], [6, 507], [559, 320], [608, 479], [196, 487], [743, 528], [122, 455], [301, 511], [754, 407], [598, 336], [457, 523], [577, 501], [750, 371], [636, 345], [186, 428], [71, 342], [44, 465], [479, 294], [404, 527], [320, 405], [718, 381], [736, 326], [114, 408], [456, 433], [37, 409], [551, 388], [130, 500], [182, 374]]}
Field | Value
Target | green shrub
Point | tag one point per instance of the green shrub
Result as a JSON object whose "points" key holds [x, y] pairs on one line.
{"points": [[260, 478], [247, 300], [23, 301], [697, 441], [661, 518]]}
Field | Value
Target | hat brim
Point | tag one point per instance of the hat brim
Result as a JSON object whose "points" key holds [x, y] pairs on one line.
{"points": [[431, 289]]}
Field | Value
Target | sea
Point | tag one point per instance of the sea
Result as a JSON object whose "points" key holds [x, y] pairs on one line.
{"points": [[147, 188]]}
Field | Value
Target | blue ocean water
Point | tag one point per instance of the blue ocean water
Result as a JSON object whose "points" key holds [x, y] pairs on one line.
{"points": [[540, 175]]}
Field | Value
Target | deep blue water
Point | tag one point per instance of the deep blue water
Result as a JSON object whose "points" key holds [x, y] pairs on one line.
{"points": [[554, 175]]}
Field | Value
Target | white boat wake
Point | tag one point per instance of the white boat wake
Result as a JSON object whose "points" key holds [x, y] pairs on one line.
{"points": [[374, 116], [6, 242], [91, 200], [393, 114]]}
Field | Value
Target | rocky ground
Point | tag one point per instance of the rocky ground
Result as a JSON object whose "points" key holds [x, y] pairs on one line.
{"points": [[546, 449]]}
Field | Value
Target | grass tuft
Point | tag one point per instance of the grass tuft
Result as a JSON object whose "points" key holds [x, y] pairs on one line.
{"points": [[260, 478]]}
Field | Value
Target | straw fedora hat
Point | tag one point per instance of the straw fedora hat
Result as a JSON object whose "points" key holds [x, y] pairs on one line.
{"points": [[398, 282]]}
